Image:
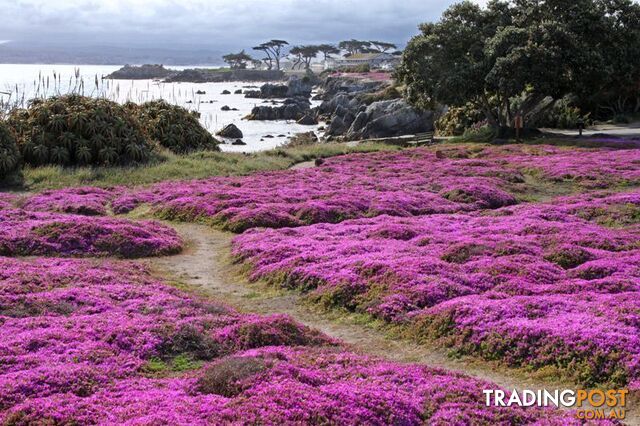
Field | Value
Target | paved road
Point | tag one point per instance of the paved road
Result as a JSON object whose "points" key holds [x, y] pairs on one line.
{"points": [[627, 130]]}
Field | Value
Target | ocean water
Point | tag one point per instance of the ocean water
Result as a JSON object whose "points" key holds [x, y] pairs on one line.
{"points": [[22, 82]]}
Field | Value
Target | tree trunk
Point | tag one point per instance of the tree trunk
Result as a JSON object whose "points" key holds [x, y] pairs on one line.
{"points": [[508, 109], [486, 108]]}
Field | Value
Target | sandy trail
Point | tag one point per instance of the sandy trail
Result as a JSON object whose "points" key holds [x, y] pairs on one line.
{"points": [[204, 265]]}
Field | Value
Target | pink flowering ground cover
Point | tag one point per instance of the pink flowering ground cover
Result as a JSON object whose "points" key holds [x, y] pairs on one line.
{"points": [[407, 183], [7, 200], [533, 285], [24, 233], [83, 200], [590, 168], [104, 343]]}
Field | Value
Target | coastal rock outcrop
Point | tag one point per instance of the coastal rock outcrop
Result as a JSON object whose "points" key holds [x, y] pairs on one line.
{"points": [[333, 86], [389, 118], [290, 109], [308, 120], [295, 87], [268, 91], [142, 72], [357, 109], [299, 87], [230, 131]]}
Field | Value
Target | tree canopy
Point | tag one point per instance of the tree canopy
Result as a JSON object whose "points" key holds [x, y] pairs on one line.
{"points": [[237, 60], [354, 46], [274, 51], [527, 49], [327, 50], [303, 55]]}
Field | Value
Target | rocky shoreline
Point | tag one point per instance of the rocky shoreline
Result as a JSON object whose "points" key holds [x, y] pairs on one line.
{"points": [[193, 75], [356, 109], [352, 108]]}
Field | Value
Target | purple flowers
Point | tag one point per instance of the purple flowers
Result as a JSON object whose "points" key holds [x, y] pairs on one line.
{"points": [[25, 233], [531, 284], [407, 183], [99, 343], [432, 240], [83, 200]]}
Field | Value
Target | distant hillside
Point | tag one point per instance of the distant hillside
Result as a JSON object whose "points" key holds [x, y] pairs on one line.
{"points": [[29, 53]]}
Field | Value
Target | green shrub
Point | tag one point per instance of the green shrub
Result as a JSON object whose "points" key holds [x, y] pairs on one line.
{"points": [[563, 114], [9, 154], [78, 130], [568, 257], [191, 340], [386, 94], [479, 132], [228, 377], [173, 127], [356, 68], [456, 120]]}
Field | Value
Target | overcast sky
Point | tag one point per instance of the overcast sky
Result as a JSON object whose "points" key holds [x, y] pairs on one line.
{"points": [[214, 23]]}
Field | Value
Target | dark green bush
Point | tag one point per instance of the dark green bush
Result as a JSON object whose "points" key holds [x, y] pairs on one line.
{"points": [[9, 154], [173, 127], [78, 130]]}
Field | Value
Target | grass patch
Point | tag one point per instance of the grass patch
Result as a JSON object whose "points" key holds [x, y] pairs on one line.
{"points": [[157, 367], [196, 165]]}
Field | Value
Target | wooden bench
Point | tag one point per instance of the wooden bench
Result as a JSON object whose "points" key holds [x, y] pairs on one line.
{"points": [[426, 138]]}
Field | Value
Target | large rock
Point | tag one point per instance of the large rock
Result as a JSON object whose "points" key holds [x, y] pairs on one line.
{"points": [[352, 114], [333, 86], [295, 87], [340, 121], [308, 120], [230, 131], [299, 87], [329, 106], [337, 127], [389, 118], [359, 122], [268, 91], [290, 109]]}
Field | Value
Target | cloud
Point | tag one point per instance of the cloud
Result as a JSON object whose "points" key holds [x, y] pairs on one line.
{"points": [[237, 23]]}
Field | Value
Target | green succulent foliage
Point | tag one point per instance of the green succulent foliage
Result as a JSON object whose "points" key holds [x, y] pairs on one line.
{"points": [[9, 155], [173, 127], [78, 130]]}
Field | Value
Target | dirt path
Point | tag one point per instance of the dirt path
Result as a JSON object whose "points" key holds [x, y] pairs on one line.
{"points": [[303, 165], [205, 266]]}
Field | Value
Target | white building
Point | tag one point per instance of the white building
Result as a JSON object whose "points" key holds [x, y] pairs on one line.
{"points": [[374, 60]]}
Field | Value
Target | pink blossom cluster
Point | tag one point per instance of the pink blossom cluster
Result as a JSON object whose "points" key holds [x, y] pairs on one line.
{"points": [[532, 285], [24, 232], [78, 340]]}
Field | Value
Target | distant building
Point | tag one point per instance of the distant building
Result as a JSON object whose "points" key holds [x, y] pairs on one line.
{"points": [[374, 60]]}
